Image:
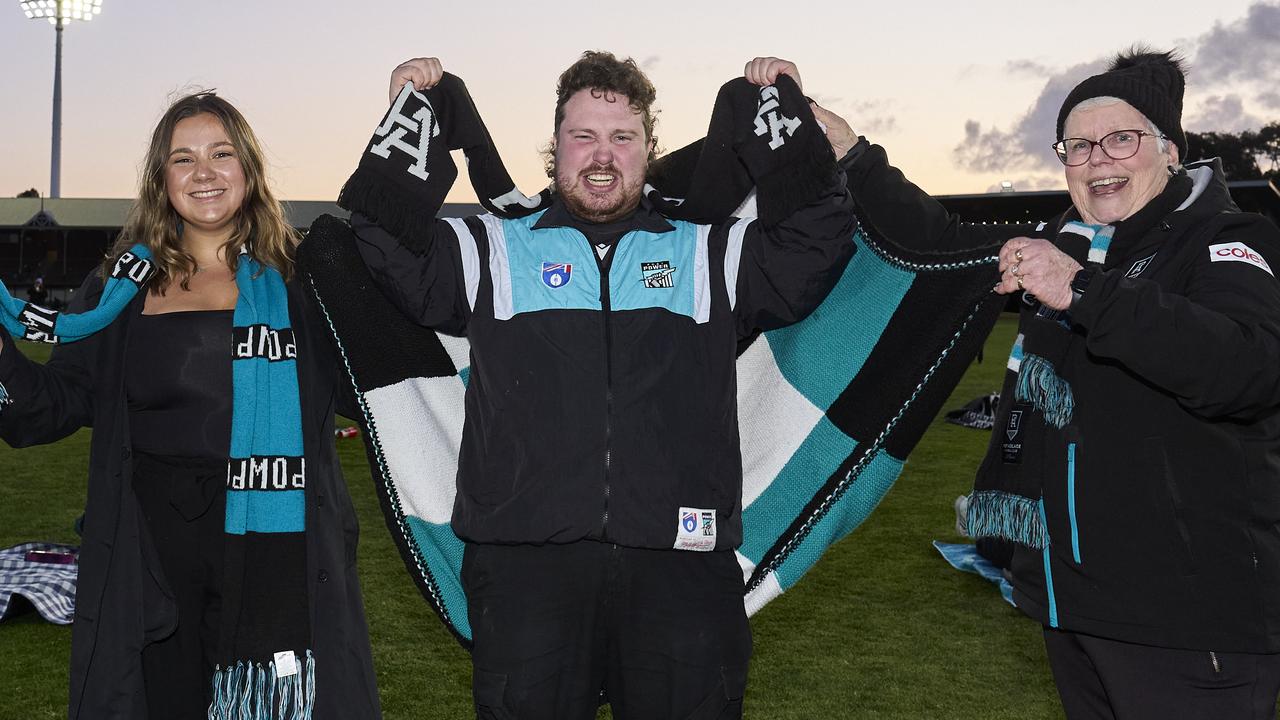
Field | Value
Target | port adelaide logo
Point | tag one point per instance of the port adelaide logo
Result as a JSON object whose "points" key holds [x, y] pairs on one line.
{"points": [[658, 274]]}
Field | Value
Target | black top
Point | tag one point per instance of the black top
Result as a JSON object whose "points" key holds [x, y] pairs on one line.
{"points": [[178, 383]]}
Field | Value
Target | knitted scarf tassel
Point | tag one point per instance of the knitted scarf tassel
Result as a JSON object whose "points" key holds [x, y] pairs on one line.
{"points": [[993, 513], [250, 691], [1041, 386]]}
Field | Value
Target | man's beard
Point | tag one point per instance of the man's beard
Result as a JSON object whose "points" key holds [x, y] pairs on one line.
{"points": [[597, 208]]}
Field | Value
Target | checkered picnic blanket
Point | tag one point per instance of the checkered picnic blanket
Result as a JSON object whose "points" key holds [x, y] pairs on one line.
{"points": [[51, 588]]}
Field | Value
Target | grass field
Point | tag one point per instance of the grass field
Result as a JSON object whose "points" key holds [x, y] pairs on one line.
{"points": [[881, 628]]}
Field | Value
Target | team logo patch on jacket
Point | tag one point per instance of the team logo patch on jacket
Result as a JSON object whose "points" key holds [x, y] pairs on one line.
{"points": [[1139, 267], [1238, 252], [658, 274], [696, 529], [556, 275]]}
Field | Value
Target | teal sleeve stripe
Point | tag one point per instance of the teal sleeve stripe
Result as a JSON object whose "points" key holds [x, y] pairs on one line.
{"points": [[773, 511], [265, 511], [863, 495], [1048, 574], [844, 329], [1071, 501], [440, 548]]}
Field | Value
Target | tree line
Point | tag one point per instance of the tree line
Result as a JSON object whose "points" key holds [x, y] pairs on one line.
{"points": [[1248, 155]]}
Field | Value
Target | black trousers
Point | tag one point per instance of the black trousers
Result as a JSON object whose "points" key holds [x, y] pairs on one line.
{"points": [[1099, 678], [560, 628], [183, 505]]}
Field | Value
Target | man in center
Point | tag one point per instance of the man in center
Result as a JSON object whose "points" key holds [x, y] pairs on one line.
{"points": [[600, 477]]}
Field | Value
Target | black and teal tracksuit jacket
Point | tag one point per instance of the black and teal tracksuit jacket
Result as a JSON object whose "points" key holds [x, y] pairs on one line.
{"points": [[601, 398]]}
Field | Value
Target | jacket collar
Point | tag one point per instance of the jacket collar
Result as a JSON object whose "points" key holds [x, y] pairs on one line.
{"points": [[645, 217]]}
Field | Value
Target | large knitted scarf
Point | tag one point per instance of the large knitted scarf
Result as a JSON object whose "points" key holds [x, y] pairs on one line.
{"points": [[265, 667], [828, 408]]}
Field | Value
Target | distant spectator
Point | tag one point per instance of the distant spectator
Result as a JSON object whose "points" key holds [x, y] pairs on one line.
{"points": [[38, 294]]}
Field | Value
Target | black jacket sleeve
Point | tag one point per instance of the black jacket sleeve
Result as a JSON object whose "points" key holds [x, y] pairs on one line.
{"points": [[1216, 347], [424, 281], [895, 209], [786, 270], [50, 401]]}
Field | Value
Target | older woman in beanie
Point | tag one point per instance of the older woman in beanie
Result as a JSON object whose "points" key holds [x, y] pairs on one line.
{"points": [[1135, 462]]}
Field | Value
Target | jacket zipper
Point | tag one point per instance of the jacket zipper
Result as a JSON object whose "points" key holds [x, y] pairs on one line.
{"points": [[1213, 658], [604, 265]]}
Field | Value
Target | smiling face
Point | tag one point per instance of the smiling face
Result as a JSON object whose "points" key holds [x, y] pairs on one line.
{"points": [[203, 176], [1103, 190], [601, 156]]}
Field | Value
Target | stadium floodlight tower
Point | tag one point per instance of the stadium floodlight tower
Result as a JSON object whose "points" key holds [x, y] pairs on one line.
{"points": [[59, 13]]}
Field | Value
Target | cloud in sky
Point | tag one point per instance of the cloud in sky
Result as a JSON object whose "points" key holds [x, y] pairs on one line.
{"points": [[1245, 50], [868, 117], [1229, 58], [873, 116], [1026, 145], [1028, 67], [1222, 113]]}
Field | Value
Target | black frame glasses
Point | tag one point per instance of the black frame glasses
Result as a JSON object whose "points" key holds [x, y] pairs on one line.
{"points": [[1111, 138]]}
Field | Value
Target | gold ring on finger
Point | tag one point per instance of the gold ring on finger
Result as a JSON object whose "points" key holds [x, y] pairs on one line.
{"points": [[1020, 285], [1017, 254]]}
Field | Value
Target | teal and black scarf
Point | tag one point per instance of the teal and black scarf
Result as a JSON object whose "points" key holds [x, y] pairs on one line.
{"points": [[266, 669]]}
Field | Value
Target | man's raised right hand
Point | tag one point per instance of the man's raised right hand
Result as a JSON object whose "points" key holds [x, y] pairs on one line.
{"points": [[424, 73]]}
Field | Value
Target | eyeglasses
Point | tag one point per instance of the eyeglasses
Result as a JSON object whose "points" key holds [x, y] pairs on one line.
{"points": [[1119, 145]]}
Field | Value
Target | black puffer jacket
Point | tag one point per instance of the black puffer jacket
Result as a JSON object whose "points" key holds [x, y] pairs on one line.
{"points": [[1161, 496]]}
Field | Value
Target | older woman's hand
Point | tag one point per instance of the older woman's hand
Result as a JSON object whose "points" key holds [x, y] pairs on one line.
{"points": [[839, 134], [424, 73], [1039, 268]]}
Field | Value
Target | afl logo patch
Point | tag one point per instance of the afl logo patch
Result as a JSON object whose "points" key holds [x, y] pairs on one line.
{"points": [[556, 275]]}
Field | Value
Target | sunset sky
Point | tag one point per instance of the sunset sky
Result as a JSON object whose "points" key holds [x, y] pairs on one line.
{"points": [[963, 94]]}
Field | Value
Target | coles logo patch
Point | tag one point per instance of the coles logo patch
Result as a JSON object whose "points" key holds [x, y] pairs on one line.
{"points": [[1238, 252]]}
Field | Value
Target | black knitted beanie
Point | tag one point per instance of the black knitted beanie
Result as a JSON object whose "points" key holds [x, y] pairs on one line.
{"points": [[1152, 82]]}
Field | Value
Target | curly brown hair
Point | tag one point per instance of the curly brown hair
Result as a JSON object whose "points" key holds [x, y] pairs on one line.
{"points": [[260, 224], [604, 75]]}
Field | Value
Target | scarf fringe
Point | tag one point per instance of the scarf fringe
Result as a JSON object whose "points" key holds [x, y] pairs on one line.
{"points": [[402, 214], [800, 182], [252, 692], [993, 513], [1040, 385]]}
